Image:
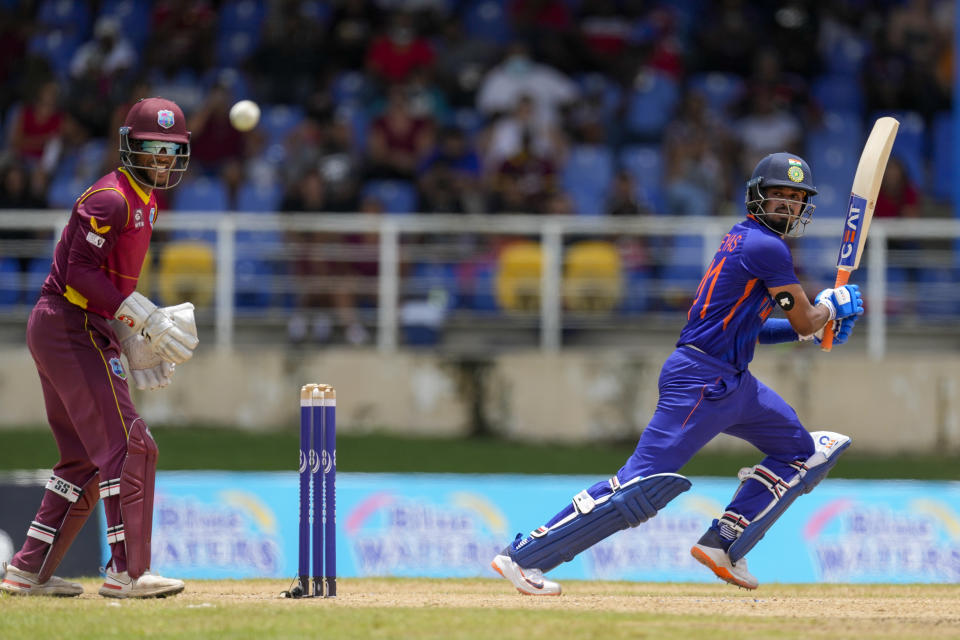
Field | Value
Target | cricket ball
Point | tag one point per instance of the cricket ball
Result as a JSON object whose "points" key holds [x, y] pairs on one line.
{"points": [[244, 115]]}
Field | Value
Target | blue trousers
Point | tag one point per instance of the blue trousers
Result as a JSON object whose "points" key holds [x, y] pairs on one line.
{"points": [[701, 397]]}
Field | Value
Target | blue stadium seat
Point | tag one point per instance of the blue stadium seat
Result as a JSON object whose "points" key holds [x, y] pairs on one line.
{"points": [[487, 20], [475, 281], [37, 271], [834, 163], [254, 197], [134, 18], [10, 282], [597, 83], [650, 105], [244, 16], [201, 194], [637, 295], [65, 14], [253, 280], [58, 47], [910, 147], [645, 164], [587, 176], [470, 121], [837, 92], [846, 55], [943, 165], [396, 196], [350, 87], [720, 89], [279, 120], [431, 279], [235, 47], [64, 191]]}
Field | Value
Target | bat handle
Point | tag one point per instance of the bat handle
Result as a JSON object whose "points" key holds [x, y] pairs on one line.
{"points": [[826, 343]]}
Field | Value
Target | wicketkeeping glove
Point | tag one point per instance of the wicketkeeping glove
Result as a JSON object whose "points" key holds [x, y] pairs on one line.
{"points": [[170, 332], [148, 370], [841, 302]]}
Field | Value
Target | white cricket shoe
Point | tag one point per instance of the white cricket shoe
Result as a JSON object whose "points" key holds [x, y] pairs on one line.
{"points": [[121, 585], [24, 583], [529, 582], [716, 559]]}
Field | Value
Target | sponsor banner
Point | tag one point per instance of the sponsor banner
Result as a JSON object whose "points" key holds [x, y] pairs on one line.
{"points": [[20, 496], [237, 525]]}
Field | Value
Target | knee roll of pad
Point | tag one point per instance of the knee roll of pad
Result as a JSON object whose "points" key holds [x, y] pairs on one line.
{"points": [[593, 520], [810, 473]]}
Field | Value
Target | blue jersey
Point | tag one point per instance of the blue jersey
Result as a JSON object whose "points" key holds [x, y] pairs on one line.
{"points": [[732, 301]]}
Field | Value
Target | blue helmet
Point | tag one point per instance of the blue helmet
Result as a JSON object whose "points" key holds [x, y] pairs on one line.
{"points": [[781, 170]]}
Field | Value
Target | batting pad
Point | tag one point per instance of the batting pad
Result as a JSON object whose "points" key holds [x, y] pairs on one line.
{"points": [[136, 498], [828, 447], [593, 520]]}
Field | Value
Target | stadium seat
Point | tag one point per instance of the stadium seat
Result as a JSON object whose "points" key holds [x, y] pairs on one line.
{"points": [[10, 282], [943, 166], [64, 191], [134, 18], [58, 45], [201, 194], [65, 14], [349, 87], [186, 272], [645, 164], [650, 105], [435, 281], [910, 147], [721, 90], [517, 280], [254, 197], [587, 176], [279, 120], [475, 281], [487, 20], [235, 47], [253, 283], [838, 93], [845, 56], [593, 276], [241, 16], [396, 196]]}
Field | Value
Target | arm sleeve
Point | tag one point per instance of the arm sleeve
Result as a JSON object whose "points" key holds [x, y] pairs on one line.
{"points": [[769, 259], [776, 330], [103, 215]]}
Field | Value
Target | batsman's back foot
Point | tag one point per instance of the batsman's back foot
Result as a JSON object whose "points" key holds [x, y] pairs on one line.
{"points": [[710, 552], [23, 583], [529, 582], [121, 585]]}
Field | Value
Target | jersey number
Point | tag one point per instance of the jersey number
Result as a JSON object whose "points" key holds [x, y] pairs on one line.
{"points": [[712, 274]]}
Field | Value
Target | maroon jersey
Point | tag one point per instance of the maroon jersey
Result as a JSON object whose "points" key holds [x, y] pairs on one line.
{"points": [[97, 262]]}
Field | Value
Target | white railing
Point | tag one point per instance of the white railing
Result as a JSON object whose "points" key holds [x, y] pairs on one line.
{"points": [[552, 232]]}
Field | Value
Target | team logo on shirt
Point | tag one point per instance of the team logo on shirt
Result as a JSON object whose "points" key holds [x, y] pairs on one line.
{"points": [[153, 216], [138, 218], [117, 367], [165, 118], [98, 228]]}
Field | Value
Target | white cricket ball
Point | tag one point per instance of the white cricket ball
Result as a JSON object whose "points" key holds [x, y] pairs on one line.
{"points": [[244, 115]]}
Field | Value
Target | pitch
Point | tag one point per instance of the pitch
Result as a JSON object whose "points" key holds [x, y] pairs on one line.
{"points": [[483, 609]]}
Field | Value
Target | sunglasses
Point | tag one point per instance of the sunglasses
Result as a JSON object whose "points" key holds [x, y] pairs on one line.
{"points": [[159, 147]]}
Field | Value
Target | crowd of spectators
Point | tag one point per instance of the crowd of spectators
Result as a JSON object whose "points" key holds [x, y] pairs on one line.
{"points": [[618, 107]]}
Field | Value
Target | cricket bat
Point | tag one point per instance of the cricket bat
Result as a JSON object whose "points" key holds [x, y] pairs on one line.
{"points": [[863, 199]]}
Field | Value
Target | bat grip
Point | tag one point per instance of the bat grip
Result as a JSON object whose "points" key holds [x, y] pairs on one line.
{"points": [[826, 344]]}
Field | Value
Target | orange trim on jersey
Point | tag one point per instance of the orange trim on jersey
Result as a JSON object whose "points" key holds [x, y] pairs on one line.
{"points": [[89, 193], [746, 292], [715, 272], [699, 400], [117, 273], [136, 186], [106, 366]]}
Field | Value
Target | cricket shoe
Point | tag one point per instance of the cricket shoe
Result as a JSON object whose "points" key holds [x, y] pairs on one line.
{"points": [[24, 583], [529, 582], [121, 585], [711, 552]]}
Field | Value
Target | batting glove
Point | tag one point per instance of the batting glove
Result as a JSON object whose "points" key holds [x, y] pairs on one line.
{"points": [[842, 302]]}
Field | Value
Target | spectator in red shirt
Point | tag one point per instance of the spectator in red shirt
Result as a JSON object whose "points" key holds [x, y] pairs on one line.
{"points": [[39, 122], [399, 141], [394, 55]]}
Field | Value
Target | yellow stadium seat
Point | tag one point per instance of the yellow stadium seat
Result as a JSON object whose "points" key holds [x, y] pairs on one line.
{"points": [[593, 276], [518, 277], [186, 273]]}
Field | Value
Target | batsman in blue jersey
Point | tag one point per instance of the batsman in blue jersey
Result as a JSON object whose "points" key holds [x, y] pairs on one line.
{"points": [[706, 389]]}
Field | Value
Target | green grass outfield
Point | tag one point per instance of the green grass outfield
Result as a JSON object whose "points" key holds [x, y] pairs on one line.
{"points": [[488, 609], [209, 448]]}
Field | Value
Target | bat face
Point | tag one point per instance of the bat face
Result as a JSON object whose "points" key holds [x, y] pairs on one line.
{"points": [[850, 243]]}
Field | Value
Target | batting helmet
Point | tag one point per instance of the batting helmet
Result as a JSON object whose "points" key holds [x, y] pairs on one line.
{"points": [[155, 128], [781, 170]]}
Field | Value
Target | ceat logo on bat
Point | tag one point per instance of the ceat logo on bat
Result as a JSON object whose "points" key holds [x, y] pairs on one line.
{"points": [[851, 231]]}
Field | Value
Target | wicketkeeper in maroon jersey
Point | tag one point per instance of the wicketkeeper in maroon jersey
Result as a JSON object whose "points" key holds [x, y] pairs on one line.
{"points": [[87, 314]]}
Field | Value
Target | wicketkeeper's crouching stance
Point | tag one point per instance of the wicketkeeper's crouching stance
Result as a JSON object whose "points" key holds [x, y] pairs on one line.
{"points": [[87, 314], [706, 389]]}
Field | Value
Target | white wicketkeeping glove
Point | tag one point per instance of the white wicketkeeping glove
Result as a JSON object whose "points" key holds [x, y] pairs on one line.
{"points": [[170, 332], [148, 370]]}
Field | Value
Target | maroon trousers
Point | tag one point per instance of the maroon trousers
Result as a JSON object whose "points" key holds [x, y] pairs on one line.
{"points": [[88, 407]]}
